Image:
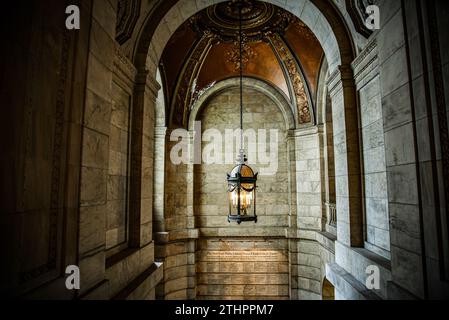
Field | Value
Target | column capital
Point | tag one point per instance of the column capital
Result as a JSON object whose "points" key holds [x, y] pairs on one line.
{"points": [[160, 131], [146, 81], [306, 131], [342, 77]]}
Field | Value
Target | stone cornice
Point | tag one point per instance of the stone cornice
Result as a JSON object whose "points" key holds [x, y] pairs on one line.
{"points": [[372, 45], [176, 235], [308, 131], [366, 64], [124, 70]]}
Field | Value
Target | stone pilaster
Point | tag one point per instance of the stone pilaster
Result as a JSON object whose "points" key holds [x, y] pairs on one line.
{"points": [[95, 160], [347, 157], [308, 178]]}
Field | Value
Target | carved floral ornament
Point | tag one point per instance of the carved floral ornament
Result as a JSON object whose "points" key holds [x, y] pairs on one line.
{"points": [[233, 56], [302, 102]]}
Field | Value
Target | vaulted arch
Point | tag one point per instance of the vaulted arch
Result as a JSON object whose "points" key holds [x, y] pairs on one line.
{"points": [[320, 16], [329, 27], [280, 100]]}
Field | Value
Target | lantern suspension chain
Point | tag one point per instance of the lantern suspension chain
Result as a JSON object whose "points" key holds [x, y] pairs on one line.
{"points": [[241, 77]]}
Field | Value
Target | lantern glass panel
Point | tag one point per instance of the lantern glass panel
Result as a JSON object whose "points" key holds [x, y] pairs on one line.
{"points": [[242, 194]]}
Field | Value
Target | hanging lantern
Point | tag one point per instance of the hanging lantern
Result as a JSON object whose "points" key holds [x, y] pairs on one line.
{"points": [[242, 193], [242, 180]]}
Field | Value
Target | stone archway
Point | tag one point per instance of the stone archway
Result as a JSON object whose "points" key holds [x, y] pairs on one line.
{"points": [[330, 28], [259, 85], [319, 15], [324, 20]]}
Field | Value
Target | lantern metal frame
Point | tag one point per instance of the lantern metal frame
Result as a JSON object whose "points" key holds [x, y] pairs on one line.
{"points": [[238, 183]]}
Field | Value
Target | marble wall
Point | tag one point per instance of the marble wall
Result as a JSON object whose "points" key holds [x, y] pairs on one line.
{"points": [[219, 252], [117, 190], [242, 269], [210, 197], [116, 256], [43, 86], [376, 216], [375, 173]]}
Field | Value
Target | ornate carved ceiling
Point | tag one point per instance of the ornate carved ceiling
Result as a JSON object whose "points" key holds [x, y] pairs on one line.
{"points": [[278, 48], [258, 20], [263, 64]]}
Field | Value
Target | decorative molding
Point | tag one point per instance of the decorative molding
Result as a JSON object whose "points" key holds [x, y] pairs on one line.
{"points": [[146, 83], [198, 94], [261, 86], [334, 83], [184, 92], [309, 131], [357, 12], [128, 12], [233, 55], [160, 132], [333, 77], [302, 102], [366, 65], [57, 165], [370, 47], [258, 19], [124, 70]]}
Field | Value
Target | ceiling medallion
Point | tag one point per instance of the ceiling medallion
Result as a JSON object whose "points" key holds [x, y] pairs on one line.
{"points": [[254, 13], [258, 20]]}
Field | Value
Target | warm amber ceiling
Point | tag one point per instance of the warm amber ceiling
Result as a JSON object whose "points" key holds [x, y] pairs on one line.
{"points": [[175, 54], [262, 65], [187, 51], [308, 51]]}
